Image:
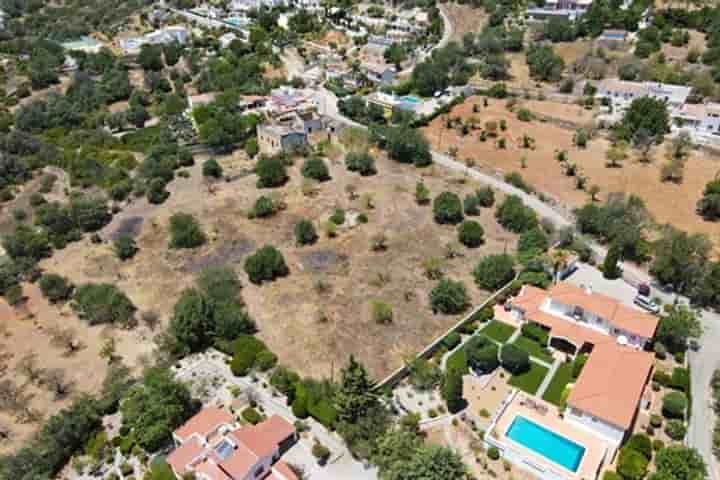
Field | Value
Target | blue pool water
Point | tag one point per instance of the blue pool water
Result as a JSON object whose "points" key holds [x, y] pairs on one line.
{"points": [[409, 99], [547, 443]]}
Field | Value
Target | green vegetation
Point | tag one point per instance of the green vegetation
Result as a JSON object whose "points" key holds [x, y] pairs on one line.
{"points": [[449, 297], [55, 288], [271, 172], [530, 380], [480, 353], [498, 331], [563, 376], [514, 359], [185, 232], [447, 208], [125, 247], [494, 271], [266, 264], [316, 169], [100, 303], [515, 216], [305, 233], [407, 145], [361, 162], [533, 348], [471, 234]]}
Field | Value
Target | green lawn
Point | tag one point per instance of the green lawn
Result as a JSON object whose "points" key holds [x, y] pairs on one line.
{"points": [[529, 381], [563, 376], [533, 348], [498, 331], [458, 360]]}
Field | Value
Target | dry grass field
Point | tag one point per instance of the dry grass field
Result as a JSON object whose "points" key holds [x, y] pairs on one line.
{"points": [[464, 19], [669, 202], [311, 330]]}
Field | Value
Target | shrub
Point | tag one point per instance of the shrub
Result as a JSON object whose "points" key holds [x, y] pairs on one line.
{"points": [[449, 297], [674, 405], [338, 216], [493, 453], [656, 420], [264, 207], [471, 234], [641, 443], [185, 232], [513, 215], [494, 271], [533, 241], [612, 476], [321, 453], [632, 465], [316, 169], [305, 233], [99, 303], [680, 380], [658, 445], [514, 359], [471, 205], [422, 193], [486, 197], [265, 360], [452, 388], [299, 408], [451, 340], [381, 312], [242, 363], [482, 354], [55, 287], [211, 168], [535, 332], [361, 162], [266, 264], [675, 429], [447, 208], [251, 416], [271, 172], [660, 351], [125, 247], [517, 181], [661, 377]]}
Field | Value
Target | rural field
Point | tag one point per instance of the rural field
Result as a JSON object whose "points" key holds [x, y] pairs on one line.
{"points": [[668, 202], [311, 329]]}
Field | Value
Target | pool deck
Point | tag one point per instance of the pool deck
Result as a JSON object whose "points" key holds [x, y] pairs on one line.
{"points": [[547, 415]]}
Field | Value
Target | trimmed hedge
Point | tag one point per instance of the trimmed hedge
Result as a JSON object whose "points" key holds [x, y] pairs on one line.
{"points": [[674, 405], [514, 359]]}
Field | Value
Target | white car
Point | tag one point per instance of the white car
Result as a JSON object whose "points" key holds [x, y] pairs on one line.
{"points": [[647, 304]]}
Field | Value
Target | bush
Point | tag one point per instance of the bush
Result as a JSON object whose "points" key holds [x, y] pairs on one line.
{"points": [[338, 216], [533, 241], [641, 443], [55, 287], [535, 332], [471, 234], [471, 205], [449, 297], [299, 408], [675, 429], [381, 312], [125, 247], [264, 207], [447, 208], [660, 351], [211, 168], [661, 377], [251, 416], [265, 360], [486, 197], [361, 162], [482, 354], [656, 420], [494, 271], [185, 232], [451, 340], [266, 264], [680, 380], [316, 169], [611, 476], [305, 233], [632, 465], [514, 359], [493, 453], [100, 303], [674, 405], [321, 453], [271, 172], [513, 215], [242, 363]]}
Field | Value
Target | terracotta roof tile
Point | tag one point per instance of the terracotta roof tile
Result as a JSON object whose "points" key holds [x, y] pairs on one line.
{"points": [[612, 383], [262, 439], [212, 471], [183, 455], [205, 422], [239, 464]]}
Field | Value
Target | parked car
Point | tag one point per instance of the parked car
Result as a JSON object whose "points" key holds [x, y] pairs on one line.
{"points": [[647, 304], [643, 290]]}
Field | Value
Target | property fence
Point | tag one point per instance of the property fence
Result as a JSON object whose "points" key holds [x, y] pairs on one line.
{"points": [[401, 372]]}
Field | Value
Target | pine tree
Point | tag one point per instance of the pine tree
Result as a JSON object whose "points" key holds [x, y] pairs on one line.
{"points": [[354, 398], [611, 270]]}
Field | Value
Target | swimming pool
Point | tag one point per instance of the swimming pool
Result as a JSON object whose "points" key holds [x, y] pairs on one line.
{"points": [[547, 443], [409, 99]]}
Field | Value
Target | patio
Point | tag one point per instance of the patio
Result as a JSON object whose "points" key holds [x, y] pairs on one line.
{"points": [[548, 416]]}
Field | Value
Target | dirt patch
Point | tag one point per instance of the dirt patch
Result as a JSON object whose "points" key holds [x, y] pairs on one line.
{"points": [[322, 260], [129, 226], [224, 255], [464, 19], [668, 202]]}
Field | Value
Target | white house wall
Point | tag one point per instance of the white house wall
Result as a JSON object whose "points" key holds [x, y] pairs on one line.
{"points": [[600, 427]]}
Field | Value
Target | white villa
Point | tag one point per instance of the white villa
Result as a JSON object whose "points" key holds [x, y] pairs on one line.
{"points": [[569, 9]]}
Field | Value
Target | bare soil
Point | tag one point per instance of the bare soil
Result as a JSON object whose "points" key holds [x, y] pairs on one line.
{"points": [[668, 202], [310, 330], [464, 19]]}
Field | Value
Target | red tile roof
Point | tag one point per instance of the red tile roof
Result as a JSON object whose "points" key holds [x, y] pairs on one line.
{"points": [[212, 471], [262, 439], [239, 464], [181, 457], [204, 423], [619, 315], [612, 383]]}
